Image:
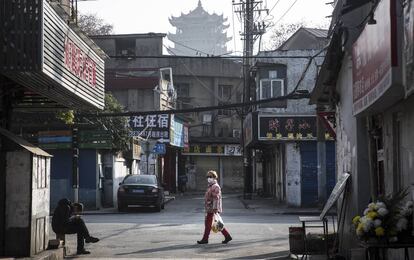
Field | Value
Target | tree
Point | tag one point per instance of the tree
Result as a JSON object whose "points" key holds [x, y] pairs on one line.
{"points": [[91, 24], [281, 33], [115, 125]]}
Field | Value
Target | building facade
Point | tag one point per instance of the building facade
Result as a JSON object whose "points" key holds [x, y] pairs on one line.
{"points": [[283, 140], [197, 82], [369, 87], [46, 65]]}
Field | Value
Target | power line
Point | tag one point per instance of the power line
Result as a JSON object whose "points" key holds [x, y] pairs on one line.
{"points": [[284, 14], [294, 94], [201, 109], [199, 57]]}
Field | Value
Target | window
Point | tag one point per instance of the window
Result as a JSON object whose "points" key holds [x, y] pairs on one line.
{"points": [[125, 47], [272, 74], [183, 95], [270, 88], [183, 89], [224, 93]]}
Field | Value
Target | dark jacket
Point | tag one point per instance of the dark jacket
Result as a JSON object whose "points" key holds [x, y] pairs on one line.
{"points": [[61, 216]]}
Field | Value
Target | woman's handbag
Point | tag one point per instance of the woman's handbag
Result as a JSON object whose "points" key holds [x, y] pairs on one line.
{"points": [[217, 224]]}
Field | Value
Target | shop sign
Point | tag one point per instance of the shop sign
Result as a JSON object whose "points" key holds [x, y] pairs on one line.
{"points": [[176, 132], [373, 57], [47, 56], [186, 136], [214, 149], [136, 149], [286, 128], [233, 150], [95, 139], [88, 139], [160, 149], [409, 47], [248, 129], [150, 126]]}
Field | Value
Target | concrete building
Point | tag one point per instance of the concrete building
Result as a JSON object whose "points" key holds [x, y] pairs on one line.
{"points": [[40, 72], [199, 81], [199, 33], [366, 79], [283, 138]]}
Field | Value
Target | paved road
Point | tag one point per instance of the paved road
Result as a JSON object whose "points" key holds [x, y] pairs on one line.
{"points": [[172, 233]]}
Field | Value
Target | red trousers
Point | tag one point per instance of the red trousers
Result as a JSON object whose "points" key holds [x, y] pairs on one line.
{"points": [[208, 221]]}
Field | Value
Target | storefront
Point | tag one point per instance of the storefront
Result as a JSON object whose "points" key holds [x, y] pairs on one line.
{"points": [[43, 56], [226, 159], [285, 157]]}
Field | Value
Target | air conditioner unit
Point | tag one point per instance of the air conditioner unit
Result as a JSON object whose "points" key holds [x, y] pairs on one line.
{"points": [[236, 133], [207, 119]]}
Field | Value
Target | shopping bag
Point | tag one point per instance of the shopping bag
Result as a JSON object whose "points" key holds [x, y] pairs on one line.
{"points": [[217, 224]]}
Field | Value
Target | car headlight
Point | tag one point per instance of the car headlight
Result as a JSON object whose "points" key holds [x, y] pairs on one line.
{"points": [[155, 190], [121, 189]]}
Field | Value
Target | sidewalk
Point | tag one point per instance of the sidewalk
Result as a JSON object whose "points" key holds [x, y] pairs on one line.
{"points": [[115, 210], [269, 205]]}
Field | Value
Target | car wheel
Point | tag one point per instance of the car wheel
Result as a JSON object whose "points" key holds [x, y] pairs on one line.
{"points": [[158, 207]]}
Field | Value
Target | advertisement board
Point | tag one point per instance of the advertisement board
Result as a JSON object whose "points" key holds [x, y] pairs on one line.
{"points": [[286, 128], [372, 59], [177, 134], [153, 127], [47, 56], [214, 149]]}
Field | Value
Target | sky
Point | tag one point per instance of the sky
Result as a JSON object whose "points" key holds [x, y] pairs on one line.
{"points": [[144, 16]]}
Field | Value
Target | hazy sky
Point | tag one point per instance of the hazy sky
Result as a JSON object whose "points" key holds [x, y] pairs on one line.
{"points": [[143, 16]]}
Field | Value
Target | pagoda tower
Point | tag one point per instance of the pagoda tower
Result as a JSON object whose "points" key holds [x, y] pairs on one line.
{"points": [[199, 33]]}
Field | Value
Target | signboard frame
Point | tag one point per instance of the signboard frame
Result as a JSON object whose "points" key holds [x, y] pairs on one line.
{"points": [[373, 58], [38, 56], [289, 136]]}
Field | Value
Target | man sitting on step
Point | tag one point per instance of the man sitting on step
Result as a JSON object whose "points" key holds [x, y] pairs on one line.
{"points": [[65, 221]]}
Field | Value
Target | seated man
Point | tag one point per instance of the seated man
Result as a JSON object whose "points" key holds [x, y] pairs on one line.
{"points": [[64, 222]]}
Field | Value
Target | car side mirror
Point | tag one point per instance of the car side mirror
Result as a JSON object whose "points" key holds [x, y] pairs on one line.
{"points": [[120, 183]]}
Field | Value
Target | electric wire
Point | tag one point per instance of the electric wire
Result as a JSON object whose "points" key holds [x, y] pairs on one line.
{"points": [[291, 95]]}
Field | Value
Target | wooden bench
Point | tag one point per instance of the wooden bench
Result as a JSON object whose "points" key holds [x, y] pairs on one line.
{"points": [[321, 221]]}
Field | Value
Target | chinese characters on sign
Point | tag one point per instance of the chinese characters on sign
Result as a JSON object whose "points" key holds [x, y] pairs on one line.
{"points": [[287, 128], [79, 63], [177, 134], [235, 150], [372, 60], [214, 149], [150, 126]]}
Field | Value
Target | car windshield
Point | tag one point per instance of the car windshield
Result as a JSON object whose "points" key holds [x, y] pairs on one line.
{"points": [[140, 179]]}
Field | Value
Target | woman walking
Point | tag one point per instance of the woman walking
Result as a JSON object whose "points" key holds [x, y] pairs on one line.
{"points": [[213, 202]]}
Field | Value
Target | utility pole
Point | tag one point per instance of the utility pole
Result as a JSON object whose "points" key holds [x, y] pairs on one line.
{"points": [[252, 29]]}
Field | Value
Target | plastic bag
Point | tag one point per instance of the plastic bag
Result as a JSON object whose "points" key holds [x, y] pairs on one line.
{"points": [[217, 224]]}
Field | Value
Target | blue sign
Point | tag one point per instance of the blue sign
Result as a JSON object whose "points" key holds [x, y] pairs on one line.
{"points": [[159, 149]]}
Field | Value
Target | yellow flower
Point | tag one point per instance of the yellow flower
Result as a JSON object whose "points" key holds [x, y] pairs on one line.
{"points": [[379, 231], [372, 215], [356, 219], [360, 229]]}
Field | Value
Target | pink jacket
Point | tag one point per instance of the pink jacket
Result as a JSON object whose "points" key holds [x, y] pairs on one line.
{"points": [[212, 198]]}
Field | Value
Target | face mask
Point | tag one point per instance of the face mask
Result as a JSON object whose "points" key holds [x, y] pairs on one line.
{"points": [[210, 180]]}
